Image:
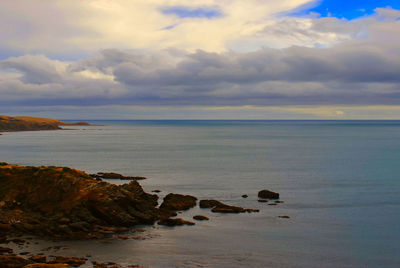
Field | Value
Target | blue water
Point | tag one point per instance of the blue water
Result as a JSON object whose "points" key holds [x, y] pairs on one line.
{"points": [[340, 182]]}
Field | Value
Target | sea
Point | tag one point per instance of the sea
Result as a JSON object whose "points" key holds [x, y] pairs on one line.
{"points": [[339, 182]]}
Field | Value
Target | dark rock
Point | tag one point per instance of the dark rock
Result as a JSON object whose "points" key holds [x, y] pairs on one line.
{"points": [[43, 265], [262, 201], [278, 202], [24, 253], [177, 202], [268, 194], [38, 259], [284, 217], [219, 207], [8, 261], [210, 203], [174, 222], [73, 261], [5, 250], [115, 176], [228, 209], [272, 204], [200, 218], [245, 196], [156, 191]]}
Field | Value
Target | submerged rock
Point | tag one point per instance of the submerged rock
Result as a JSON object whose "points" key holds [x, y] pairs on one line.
{"points": [[175, 222], [219, 207], [200, 218], [268, 194], [245, 196], [176, 202], [73, 261]]}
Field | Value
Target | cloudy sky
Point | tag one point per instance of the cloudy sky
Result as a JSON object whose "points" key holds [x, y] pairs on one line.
{"points": [[200, 59]]}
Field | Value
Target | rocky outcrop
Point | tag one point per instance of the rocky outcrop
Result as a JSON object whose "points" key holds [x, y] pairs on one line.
{"points": [[219, 207], [177, 202], [175, 222], [200, 218], [61, 202], [114, 176], [268, 194], [25, 123]]}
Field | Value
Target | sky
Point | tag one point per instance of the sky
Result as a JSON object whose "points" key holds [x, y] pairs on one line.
{"points": [[200, 59]]}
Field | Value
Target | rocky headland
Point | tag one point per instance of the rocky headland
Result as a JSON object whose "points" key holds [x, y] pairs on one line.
{"points": [[27, 123], [63, 203]]}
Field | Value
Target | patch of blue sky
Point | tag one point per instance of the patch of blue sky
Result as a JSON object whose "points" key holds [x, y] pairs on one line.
{"points": [[184, 12], [348, 9]]}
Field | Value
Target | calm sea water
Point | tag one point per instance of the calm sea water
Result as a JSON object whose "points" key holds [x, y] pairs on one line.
{"points": [[340, 182]]}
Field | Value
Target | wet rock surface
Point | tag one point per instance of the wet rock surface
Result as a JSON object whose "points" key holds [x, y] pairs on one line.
{"points": [[219, 207], [175, 222], [176, 202], [268, 194], [200, 218], [115, 176]]}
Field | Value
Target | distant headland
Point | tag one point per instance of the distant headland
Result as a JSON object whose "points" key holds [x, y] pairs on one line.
{"points": [[28, 123]]}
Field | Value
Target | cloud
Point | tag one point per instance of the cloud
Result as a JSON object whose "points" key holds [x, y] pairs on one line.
{"points": [[67, 27], [360, 67]]}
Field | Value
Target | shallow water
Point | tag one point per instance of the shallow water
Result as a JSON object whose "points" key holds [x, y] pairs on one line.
{"points": [[339, 180]]}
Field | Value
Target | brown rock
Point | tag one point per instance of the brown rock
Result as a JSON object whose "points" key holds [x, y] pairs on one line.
{"points": [[9, 261], [245, 196], [177, 202], [209, 203], [284, 217], [175, 222], [47, 265], [38, 259], [5, 250], [73, 261], [268, 194], [262, 201], [200, 218]]}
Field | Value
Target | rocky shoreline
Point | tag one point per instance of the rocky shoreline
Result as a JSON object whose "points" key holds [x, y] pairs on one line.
{"points": [[63, 203]]}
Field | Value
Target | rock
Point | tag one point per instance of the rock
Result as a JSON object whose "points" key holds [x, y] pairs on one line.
{"points": [[61, 202], [209, 203], [228, 209], [174, 222], [245, 196], [9, 261], [262, 201], [219, 207], [38, 259], [284, 217], [124, 237], [177, 202], [156, 191], [278, 202], [73, 261], [268, 194], [200, 218], [272, 204], [24, 253], [114, 176], [5, 250], [44, 265]]}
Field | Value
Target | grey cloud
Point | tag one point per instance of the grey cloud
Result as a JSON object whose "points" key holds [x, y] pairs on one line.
{"points": [[360, 71]]}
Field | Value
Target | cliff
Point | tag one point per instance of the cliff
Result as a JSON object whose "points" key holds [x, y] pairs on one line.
{"points": [[26, 123]]}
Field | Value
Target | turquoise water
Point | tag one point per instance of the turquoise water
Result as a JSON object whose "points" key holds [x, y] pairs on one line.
{"points": [[340, 182]]}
